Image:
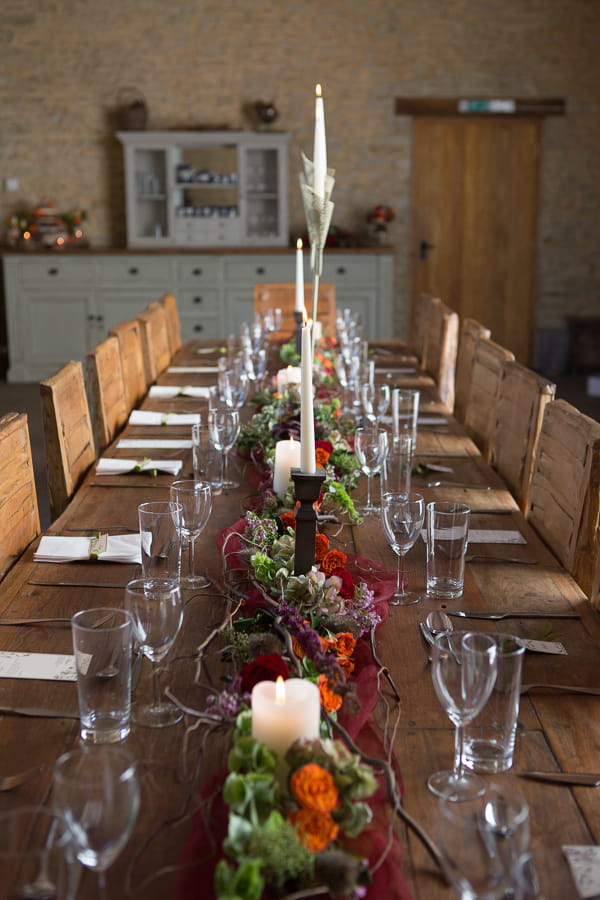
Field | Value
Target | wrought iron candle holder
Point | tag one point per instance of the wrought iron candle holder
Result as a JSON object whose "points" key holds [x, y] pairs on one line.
{"points": [[307, 490]]}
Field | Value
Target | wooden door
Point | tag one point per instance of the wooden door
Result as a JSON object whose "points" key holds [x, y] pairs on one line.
{"points": [[474, 221]]}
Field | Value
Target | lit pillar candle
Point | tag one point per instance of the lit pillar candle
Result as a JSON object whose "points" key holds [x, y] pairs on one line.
{"points": [[284, 711], [287, 457], [307, 422], [286, 377], [320, 146], [299, 304]]}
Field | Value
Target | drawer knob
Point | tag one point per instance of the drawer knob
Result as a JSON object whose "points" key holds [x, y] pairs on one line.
{"points": [[198, 327], [134, 270], [260, 270], [198, 299], [341, 270], [196, 271], [53, 271]]}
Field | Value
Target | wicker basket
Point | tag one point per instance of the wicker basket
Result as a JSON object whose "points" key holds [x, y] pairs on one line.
{"points": [[132, 112]]}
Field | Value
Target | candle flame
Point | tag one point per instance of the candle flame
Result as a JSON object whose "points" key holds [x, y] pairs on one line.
{"points": [[318, 91], [304, 316], [299, 244], [280, 690]]}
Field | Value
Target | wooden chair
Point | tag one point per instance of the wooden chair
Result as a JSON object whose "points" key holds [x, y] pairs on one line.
{"points": [[106, 391], [440, 349], [169, 304], [19, 514], [68, 434], [564, 498], [283, 296], [418, 325], [522, 399], [470, 332], [486, 374], [155, 340], [132, 361]]}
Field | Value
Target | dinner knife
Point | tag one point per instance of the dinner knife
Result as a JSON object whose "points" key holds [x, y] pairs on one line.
{"points": [[582, 778], [38, 712], [80, 584], [524, 614]]}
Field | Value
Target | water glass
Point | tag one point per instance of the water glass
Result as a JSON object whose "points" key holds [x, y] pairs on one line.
{"points": [[160, 539], [396, 472], [489, 740], [207, 461], [36, 859], [405, 412], [102, 647], [447, 541]]}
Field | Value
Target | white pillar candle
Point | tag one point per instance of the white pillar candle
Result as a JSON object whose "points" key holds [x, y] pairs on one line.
{"points": [[320, 146], [287, 377], [308, 463], [299, 304], [280, 719], [287, 457]]}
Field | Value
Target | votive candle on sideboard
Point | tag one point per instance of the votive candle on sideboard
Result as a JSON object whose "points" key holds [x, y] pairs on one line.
{"points": [[284, 711], [287, 457]]}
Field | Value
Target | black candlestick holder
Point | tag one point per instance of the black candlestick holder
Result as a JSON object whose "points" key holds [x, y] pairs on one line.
{"points": [[297, 336], [307, 491]]}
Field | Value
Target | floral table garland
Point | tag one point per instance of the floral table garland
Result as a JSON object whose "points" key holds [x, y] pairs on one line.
{"points": [[324, 828]]}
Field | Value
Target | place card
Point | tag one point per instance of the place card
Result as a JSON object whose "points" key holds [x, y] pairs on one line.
{"points": [[148, 417], [202, 370], [39, 666], [170, 392], [584, 863], [545, 646], [154, 444]]}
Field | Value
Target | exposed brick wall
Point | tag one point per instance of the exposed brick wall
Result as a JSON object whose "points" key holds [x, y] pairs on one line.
{"points": [[200, 61]]}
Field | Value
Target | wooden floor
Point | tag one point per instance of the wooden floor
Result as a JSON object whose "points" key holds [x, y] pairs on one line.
{"points": [[25, 397]]}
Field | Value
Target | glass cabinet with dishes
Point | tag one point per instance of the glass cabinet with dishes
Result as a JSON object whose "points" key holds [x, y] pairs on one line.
{"points": [[206, 188]]}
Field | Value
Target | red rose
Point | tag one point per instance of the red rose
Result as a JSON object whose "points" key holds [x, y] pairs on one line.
{"points": [[267, 667], [347, 588], [325, 445]]}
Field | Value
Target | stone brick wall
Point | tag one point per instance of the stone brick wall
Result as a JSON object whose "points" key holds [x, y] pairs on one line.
{"points": [[198, 62]]}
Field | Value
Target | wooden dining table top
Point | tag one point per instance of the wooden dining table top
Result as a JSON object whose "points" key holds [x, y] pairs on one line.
{"points": [[556, 731]]}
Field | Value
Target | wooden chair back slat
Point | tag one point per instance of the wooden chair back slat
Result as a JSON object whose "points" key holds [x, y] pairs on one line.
{"points": [[440, 349], [68, 433], [418, 325], [522, 399], [563, 499], [283, 296], [155, 340], [132, 361], [19, 513], [486, 374], [169, 304], [470, 332], [106, 391]]}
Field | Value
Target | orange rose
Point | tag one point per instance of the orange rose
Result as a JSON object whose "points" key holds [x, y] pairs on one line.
{"points": [[298, 650], [345, 642], [288, 520], [334, 559], [346, 665], [314, 788], [330, 701], [321, 547], [314, 829], [321, 456]]}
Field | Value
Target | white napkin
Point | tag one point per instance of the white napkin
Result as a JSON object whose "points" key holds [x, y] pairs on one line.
{"points": [[432, 420], [481, 536], [122, 548], [154, 443], [204, 370], [168, 392], [403, 370], [145, 417], [584, 863], [112, 466]]}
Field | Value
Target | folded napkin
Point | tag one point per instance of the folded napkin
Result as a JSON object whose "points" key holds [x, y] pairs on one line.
{"points": [[168, 392], [481, 536], [145, 417], [584, 863], [402, 370], [154, 443], [422, 420], [203, 370], [113, 466], [122, 548]]}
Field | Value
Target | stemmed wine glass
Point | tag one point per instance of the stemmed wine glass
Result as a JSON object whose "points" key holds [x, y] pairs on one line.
{"points": [[402, 519], [463, 669], [370, 446], [157, 614], [375, 401], [224, 430], [96, 790], [195, 498]]}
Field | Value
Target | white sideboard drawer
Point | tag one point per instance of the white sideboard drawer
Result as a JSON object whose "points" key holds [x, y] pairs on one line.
{"points": [[54, 270], [201, 326], [199, 301], [132, 270], [198, 270], [361, 269], [251, 270]]}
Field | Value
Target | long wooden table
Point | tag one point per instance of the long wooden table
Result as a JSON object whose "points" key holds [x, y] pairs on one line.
{"points": [[555, 731]]}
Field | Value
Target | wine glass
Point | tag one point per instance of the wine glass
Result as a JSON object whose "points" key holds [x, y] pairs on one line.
{"points": [[402, 518], [195, 498], [370, 446], [96, 791], [157, 614], [463, 669], [224, 430], [375, 401]]}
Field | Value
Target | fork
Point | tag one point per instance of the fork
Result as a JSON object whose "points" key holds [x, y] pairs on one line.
{"points": [[9, 782], [570, 688], [481, 557], [459, 484]]}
